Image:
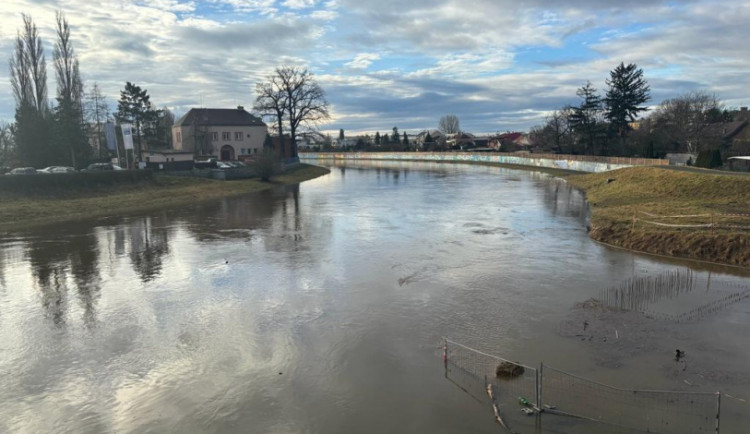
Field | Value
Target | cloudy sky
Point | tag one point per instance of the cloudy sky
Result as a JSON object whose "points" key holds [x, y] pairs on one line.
{"points": [[497, 64]]}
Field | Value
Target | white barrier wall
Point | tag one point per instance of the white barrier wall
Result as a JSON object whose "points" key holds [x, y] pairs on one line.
{"points": [[568, 162]]}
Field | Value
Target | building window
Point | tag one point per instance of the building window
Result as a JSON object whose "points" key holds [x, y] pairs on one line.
{"points": [[179, 137], [225, 135], [237, 136], [255, 150], [215, 136]]}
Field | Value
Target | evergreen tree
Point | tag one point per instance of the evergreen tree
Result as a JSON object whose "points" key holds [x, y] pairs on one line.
{"points": [[428, 141], [341, 135], [585, 117], [406, 140], [377, 137], [135, 107], [627, 92], [395, 136]]}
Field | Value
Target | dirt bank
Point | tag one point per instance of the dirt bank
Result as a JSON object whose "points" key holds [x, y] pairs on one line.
{"points": [[648, 209]]}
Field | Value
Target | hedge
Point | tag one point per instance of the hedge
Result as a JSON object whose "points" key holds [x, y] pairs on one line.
{"points": [[64, 184]]}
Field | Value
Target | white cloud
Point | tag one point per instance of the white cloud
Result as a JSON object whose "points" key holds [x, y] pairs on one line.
{"points": [[402, 61], [363, 61]]}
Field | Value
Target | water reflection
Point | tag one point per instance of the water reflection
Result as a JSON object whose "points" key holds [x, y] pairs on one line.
{"points": [[342, 285], [149, 244], [59, 263]]}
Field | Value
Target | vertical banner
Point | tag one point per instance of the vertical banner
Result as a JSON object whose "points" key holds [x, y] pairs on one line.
{"points": [[109, 133], [127, 135]]}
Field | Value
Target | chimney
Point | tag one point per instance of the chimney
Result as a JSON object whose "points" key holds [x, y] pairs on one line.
{"points": [[239, 107]]}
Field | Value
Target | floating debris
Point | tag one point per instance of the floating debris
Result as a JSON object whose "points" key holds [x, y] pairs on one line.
{"points": [[509, 370]]}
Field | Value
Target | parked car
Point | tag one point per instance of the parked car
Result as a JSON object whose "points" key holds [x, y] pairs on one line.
{"points": [[100, 167], [22, 171], [230, 164], [56, 169]]}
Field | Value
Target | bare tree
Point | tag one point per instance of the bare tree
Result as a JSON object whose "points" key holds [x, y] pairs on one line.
{"points": [[300, 98], [97, 112], [69, 84], [449, 124], [36, 63], [270, 101], [20, 79], [28, 69], [555, 133], [684, 119], [28, 77]]}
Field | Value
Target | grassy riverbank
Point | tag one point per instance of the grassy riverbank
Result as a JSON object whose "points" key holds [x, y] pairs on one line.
{"points": [[160, 192], [650, 193]]}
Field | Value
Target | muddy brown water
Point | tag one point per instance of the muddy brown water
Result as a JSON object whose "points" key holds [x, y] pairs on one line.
{"points": [[320, 308]]}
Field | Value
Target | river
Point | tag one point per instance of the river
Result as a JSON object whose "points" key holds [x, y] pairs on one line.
{"points": [[321, 308]]}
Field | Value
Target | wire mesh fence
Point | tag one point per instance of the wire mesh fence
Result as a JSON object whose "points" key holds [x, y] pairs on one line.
{"points": [[525, 401], [650, 411], [514, 389]]}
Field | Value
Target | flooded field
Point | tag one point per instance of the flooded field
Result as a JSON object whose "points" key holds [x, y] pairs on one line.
{"points": [[321, 308]]}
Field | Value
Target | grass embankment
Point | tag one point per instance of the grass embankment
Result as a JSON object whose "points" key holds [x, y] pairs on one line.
{"points": [[157, 193], [639, 190]]}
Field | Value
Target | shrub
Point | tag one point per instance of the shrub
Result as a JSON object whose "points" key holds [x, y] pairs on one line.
{"points": [[709, 159]]}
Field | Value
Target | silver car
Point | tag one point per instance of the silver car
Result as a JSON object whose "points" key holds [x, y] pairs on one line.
{"points": [[57, 169], [22, 171]]}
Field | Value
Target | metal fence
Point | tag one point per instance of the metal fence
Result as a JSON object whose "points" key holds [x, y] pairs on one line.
{"points": [[527, 402], [665, 412]]}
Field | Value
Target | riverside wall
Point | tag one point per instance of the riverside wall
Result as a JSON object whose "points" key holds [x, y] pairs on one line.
{"points": [[580, 163]]}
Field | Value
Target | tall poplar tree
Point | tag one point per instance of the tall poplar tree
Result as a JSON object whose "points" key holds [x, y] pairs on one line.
{"points": [[28, 77], [69, 123]]}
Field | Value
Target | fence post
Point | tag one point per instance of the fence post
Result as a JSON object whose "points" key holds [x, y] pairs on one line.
{"points": [[718, 411], [445, 356], [539, 380]]}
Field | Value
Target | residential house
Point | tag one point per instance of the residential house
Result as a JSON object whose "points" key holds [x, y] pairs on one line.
{"points": [[438, 138], [460, 140], [225, 134], [731, 138], [509, 141]]}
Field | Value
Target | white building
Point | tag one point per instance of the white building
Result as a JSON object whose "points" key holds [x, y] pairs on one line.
{"points": [[221, 133]]}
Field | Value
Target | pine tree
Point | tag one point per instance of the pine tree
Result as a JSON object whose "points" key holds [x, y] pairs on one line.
{"points": [[135, 107], [377, 137], [627, 92], [585, 118]]}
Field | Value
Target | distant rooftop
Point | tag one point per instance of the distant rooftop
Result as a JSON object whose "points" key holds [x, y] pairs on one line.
{"points": [[219, 117]]}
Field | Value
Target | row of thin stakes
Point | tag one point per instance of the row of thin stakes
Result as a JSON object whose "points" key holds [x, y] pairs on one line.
{"points": [[637, 294], [715, 220]]}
